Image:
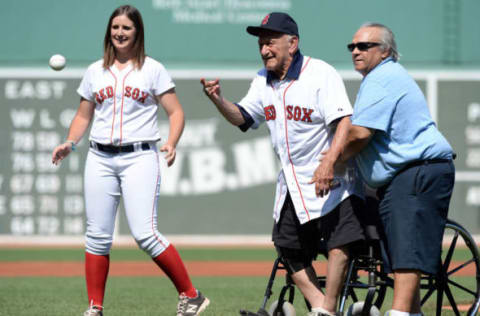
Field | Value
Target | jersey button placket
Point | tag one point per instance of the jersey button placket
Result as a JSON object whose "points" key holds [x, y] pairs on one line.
{"points": [[118, 114], [116, 126], [281, 117]]}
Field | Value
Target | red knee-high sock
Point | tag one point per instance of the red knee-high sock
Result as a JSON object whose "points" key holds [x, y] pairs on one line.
{"points": [[96, 271], [171, 263]]}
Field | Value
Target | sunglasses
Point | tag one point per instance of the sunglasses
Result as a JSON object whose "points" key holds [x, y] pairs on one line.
{"points": [[362, 46]]}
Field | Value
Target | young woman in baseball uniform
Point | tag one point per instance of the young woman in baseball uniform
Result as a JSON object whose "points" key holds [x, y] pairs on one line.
{"points": [[121, 93]]}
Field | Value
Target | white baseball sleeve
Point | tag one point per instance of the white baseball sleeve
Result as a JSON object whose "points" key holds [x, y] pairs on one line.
{"points": [[333, 98], [85, 89], [161, 81], [252, 103]]}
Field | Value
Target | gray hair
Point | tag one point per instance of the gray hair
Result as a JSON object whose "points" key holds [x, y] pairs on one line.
{"points": [[387, 39]]}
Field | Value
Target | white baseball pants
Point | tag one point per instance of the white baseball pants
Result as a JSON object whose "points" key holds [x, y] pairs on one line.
{"points": [[136, 177]]}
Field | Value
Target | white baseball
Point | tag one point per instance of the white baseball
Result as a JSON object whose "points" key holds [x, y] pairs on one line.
{"points": [[57, 62]]}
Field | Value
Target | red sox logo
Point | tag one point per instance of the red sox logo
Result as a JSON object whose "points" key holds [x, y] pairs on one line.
{"points": [[133, 93], [265, 19], [296, 113], [270, 113]]}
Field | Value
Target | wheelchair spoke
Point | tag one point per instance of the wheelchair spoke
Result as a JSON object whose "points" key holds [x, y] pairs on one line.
{"points": [[448, 258], [463, 265], [453, 304], [439, 301], [427, 295], [461, 287]]}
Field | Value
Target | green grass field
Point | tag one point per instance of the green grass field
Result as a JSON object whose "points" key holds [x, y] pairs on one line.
{"points": [[141, 295]]}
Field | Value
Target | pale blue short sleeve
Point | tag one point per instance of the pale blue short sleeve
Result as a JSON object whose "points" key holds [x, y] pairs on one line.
{"points": [[373, 107]]}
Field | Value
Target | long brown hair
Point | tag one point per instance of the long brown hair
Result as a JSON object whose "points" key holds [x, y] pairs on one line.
{"points": [[139, 44]]}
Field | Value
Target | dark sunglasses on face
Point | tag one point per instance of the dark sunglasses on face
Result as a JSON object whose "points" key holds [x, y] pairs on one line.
{"points": [[362, 46]]}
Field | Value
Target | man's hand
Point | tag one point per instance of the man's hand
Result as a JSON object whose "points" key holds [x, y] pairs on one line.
{"points": [[212, 89], [229, 110], [323, 175]]}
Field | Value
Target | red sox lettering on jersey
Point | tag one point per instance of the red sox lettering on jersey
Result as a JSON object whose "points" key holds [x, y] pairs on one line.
{"points": [[294, 112], [298, 112], [133, 93]]}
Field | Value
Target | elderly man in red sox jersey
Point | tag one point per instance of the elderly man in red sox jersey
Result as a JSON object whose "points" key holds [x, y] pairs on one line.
{"points": [[302, 100]]}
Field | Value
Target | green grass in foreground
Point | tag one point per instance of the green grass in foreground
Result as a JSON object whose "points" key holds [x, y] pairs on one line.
{"points": [[151, 295], [26, 296], [127, 296]]}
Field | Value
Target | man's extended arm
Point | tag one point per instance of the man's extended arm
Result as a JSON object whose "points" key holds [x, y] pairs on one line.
{"points": [[229, 110]]}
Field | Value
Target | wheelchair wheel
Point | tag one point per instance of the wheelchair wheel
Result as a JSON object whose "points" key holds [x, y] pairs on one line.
{"points": [[287, 309], [457, 285], [356, 310]]}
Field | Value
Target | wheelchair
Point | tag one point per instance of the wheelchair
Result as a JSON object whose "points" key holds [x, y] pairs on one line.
{"points": [[366, 281]]}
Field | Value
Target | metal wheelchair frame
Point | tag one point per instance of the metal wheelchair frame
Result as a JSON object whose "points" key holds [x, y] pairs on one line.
{"points": [[378, 281]]}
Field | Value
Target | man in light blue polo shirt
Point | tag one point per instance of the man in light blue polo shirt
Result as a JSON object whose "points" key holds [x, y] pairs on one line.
{"points": [[389, 101], [400, 152]]}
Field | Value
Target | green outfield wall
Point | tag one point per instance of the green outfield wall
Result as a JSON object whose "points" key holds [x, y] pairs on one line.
{"points": [[189, 33], [223, 180]]}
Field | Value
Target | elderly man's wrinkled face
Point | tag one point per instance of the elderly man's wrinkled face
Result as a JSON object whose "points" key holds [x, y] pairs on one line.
{"points": [[276, 51], [366, 56]]}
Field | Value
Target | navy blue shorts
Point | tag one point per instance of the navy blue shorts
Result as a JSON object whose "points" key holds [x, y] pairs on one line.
{"points": [[413, 209]]}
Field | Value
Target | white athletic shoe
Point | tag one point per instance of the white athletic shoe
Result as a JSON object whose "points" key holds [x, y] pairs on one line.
{"points": [[191, 306], [93, 311]]}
